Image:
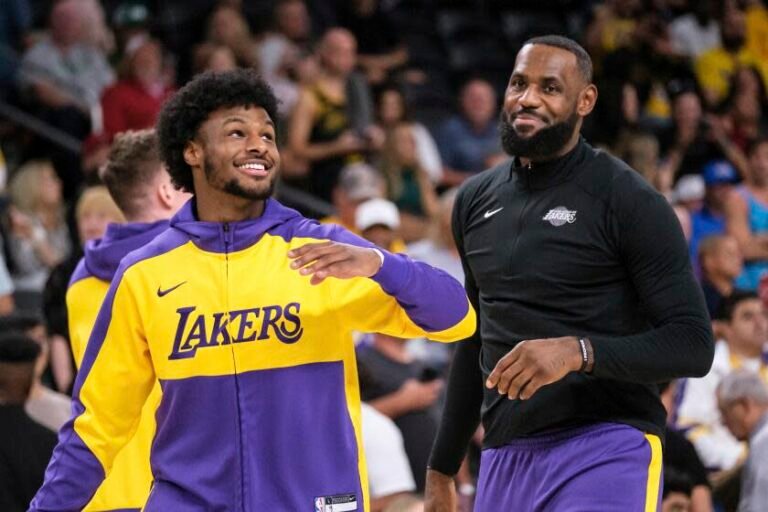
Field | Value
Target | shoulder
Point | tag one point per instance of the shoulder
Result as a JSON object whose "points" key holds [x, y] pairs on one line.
{"points": [[43, 49], [710, 57], [483, 183], [118, 88], [309, 230], [621, 187], [453, 124], [721, 364], [164, 243], [608, 173], [81, 272]]}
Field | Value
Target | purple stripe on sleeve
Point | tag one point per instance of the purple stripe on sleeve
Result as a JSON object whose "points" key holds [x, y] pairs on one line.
{"points": [[73, 474]]}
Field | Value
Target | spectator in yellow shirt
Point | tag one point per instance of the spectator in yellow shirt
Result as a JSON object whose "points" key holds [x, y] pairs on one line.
{"points": [[715, 67]]}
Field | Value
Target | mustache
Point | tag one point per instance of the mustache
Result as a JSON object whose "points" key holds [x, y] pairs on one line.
{"points": [[528, 112]]}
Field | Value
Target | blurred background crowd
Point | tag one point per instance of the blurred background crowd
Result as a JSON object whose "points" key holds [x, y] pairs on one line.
{"points": [[386, 107]]}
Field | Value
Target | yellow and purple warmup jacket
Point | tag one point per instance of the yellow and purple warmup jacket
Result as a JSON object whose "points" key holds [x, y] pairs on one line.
{"points": [[260, 406], [129, 482]]}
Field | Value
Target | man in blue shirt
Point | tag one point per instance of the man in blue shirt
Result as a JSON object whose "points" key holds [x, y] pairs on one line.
{"points": [[719, 177]]}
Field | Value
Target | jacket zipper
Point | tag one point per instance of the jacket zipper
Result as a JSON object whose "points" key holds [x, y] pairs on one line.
{"points": [[518, 231], [227, 245]]}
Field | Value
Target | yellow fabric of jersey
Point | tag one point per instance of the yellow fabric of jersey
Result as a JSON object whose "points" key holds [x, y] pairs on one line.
{"points": [[130, 481], [84, 298], [145, 328]]}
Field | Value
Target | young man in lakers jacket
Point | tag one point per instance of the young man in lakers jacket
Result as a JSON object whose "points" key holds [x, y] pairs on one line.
{"points": [[141, 187], [242, 311]]}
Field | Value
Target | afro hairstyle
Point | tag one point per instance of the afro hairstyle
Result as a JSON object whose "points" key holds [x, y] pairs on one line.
{"points": [[182, 116]]}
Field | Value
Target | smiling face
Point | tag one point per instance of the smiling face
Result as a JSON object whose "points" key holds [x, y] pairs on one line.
{"points": [[235, 155], [544, 103]]}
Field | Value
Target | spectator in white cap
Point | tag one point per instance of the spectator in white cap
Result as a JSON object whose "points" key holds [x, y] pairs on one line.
{"points": [[357, 183], [689, 192], [378, 221], [687, 197]]}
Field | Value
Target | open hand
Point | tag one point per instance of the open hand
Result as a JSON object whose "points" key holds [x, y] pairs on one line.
{"points": [[334, 259], [533, 364]]}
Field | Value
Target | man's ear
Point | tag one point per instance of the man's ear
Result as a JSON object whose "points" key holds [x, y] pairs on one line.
{"points": [[165, 193], [587, 100], [193, 154]]}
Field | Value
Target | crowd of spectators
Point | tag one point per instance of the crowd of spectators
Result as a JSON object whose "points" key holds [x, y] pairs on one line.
{"points": [[387, 106]]}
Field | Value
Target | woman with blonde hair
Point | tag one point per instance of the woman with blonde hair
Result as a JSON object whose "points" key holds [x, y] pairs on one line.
{"points": [[39, 238], [408, 183], [228, 27]]}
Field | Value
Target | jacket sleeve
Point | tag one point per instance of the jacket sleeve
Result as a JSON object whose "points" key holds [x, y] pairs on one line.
{"points": [[111, 387], [463, 400], [464, 396], [405, 299], [679, 343]]}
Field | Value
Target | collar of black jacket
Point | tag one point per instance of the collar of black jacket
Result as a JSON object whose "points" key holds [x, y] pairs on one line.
{"points": [[548, 173]]}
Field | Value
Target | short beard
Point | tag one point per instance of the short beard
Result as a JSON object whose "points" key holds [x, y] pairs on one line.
{"points": [[543, 145], [234, 188]]}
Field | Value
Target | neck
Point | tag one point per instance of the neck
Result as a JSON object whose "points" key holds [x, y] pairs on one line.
{"points": [[149, 216], [746, 350], [63, 46], [36, 391], [391, 347], [332, 78], [49, 217], [563, 151], [478, 126], [722, 284], [227, 208]]}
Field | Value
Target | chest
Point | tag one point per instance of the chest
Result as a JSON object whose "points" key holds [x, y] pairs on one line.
{"points": [[543, 238], [214, 314]]}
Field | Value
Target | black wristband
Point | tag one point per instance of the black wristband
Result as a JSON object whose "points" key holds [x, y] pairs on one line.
{"points": [[584, 354]]}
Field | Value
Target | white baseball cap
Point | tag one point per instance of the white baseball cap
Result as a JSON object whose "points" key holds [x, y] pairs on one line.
{"points": [[377, 212], [690, 187]]}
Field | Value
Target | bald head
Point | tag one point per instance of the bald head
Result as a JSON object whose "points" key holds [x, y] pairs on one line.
{"points": [[337, 37], [338, 51], [66, 22]]}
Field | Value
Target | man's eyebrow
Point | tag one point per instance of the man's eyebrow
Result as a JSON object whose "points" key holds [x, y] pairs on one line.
{"points": [[236, 119], [233, 119]]}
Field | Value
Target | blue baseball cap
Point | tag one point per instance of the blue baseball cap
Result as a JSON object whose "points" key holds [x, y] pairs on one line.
{"points": [[720, 172]]}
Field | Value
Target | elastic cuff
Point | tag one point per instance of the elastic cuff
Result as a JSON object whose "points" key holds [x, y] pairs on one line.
{"points": [[394, 272]]}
